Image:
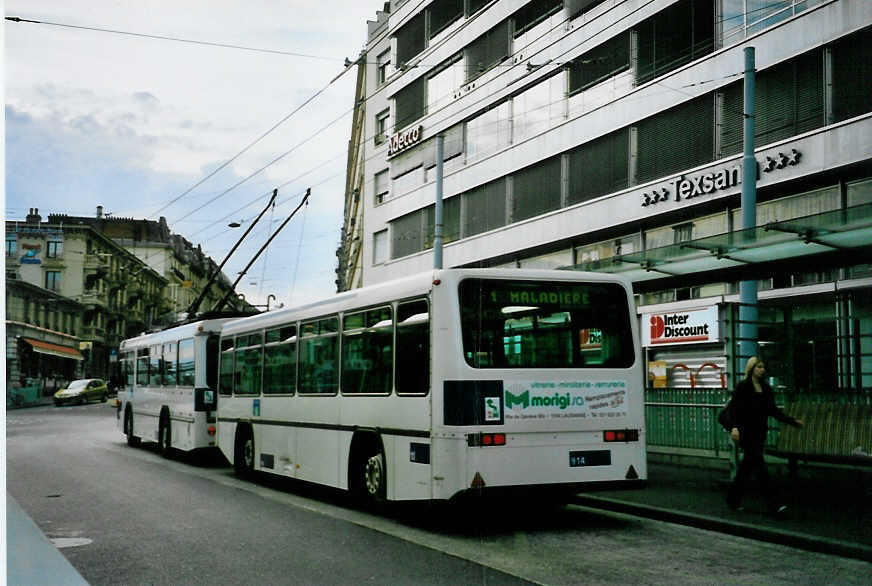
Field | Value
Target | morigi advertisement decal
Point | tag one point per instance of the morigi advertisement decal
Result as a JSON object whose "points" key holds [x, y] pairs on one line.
{"points": [[680, 327], [565, 399]]}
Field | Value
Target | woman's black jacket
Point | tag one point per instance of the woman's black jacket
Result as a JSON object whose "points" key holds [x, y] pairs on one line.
{"points": [[749, 411]]}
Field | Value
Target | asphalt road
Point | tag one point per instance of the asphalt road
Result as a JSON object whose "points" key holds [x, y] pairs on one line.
{"points": [[127, 516]]}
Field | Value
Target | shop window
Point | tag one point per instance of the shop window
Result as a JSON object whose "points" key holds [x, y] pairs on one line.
{"points": [[859, 192]]}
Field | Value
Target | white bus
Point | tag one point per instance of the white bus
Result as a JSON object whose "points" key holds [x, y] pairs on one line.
{"points": [[169, 381], [447, 382]]}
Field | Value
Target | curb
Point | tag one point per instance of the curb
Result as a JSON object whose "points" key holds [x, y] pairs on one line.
{"points": [[781, 537]]}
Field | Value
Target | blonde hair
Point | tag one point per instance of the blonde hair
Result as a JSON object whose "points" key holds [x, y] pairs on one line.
{"points": [[749, 366]]}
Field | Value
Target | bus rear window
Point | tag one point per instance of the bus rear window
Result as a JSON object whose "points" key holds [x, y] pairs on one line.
{"points": [[535, 324]]}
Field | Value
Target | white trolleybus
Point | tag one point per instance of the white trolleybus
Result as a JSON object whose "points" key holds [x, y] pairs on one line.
{"points": [[169, 380], [439, 384]]}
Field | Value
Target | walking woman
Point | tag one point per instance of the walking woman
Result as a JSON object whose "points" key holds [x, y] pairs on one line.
{"points": [[749, 409]]}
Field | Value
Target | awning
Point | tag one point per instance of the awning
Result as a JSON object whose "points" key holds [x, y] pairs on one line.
{"points": [[54, 349], [841, 230]]}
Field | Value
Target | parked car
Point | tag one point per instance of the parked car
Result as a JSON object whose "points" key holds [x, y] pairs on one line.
{"points": [[82, 391]]}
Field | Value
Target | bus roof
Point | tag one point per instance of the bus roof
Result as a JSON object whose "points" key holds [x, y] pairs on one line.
{"points": [[175, 333], [407, 287]]}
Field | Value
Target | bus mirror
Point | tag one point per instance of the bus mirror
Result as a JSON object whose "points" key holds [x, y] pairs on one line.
{"points": [[205, 399]]}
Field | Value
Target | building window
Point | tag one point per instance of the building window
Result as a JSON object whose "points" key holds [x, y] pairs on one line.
{"points": [[380, 247], [673, 37], [852, 76], [485, 208], [410, 103], [53, 280], [55, 249], [383, 64], [538, 108], [411, 39], [11, 245], [489, 132], [536, 189], [533, 13], [382, 119], [579, 7], [442, 14], [381, 183], [600, 63], [487, 50], [743, 17], [599, 167], [474, 6], [442, 84]]}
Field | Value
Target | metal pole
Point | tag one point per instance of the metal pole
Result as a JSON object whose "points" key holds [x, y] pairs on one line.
{"points": [[748, 288], [437, 234]]}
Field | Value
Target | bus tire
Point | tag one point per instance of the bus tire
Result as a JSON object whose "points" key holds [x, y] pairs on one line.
{"points": [[243, 453], [367, 472], [132, 440], [164, 434]]}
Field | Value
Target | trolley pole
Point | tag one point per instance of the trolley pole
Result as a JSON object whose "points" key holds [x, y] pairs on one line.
{"points": [[748, 288], [437, 232]]}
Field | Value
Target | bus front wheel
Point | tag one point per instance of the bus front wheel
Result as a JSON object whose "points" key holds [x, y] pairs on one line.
{"points": [[132, 440], [164, 436], [243, 460]]}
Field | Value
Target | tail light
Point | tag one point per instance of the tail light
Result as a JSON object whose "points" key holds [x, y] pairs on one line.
{"points": [[485, 439], [211, 430], [621, 435]]}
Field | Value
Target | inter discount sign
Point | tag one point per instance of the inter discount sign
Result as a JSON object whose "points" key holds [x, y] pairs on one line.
{"points": [[680, 327]]}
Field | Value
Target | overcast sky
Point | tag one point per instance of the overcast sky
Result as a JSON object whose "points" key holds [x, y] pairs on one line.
{"points": [[131, 123]]}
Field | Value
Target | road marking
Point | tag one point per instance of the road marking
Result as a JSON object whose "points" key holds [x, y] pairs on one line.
{"points": [[62, 542]]}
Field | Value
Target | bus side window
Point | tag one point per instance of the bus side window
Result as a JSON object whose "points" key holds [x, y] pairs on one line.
{"points": [[226, 367], [249, 364], [186, 362], [280, 361], [154, 366], [413, 348], [169, 363], [367, 351], [142, 367], [319, 356]]}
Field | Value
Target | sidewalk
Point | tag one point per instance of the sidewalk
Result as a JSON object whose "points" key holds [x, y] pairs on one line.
{"points": [[31, 559], [829, 508]]}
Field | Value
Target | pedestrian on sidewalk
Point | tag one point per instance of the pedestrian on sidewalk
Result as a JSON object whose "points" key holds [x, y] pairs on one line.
{"points": [[746, 419]]}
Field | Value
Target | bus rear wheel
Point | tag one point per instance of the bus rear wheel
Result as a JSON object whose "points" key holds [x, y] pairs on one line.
{"points": [[372, 479], [243, 459]]}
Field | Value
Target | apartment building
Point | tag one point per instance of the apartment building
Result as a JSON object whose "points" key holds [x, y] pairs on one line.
{"points": [[606, 135]]}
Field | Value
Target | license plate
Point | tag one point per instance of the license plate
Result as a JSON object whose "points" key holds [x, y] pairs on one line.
{"points": [[590, 458]]}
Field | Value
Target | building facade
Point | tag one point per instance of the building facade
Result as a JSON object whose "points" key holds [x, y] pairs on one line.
{"points": [[606, 135], [70, 286]]}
